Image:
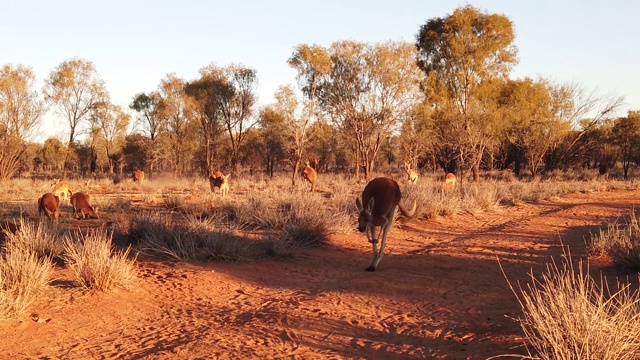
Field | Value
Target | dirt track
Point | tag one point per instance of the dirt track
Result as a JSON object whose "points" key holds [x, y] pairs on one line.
{"points": [[438, 293]]}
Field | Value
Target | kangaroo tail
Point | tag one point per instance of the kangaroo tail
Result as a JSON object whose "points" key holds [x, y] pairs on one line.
{"points": [[408, 213]]}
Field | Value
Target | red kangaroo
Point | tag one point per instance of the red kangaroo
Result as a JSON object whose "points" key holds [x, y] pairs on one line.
{"points": [[382, 195]]}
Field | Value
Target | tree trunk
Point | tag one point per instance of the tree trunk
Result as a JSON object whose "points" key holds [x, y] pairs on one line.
{"points": [[357, 169], [295, 172], [208, 155]]}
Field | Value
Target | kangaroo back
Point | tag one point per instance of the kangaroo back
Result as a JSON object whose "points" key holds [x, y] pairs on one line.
{"points": [[80, 203], [48, 204]]}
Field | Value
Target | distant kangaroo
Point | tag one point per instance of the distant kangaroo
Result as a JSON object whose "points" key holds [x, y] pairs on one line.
{"points": [[310, 175], [138, 176], [449, 182], [61, 189], [80, 203], [219, 180], [412, 175], [49, 204]]}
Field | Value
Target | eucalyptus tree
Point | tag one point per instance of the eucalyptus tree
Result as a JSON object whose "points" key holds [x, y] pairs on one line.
{"points": [[148, 108], [173, 109], [74, 87], [589, 109], [416, 135], [52, 153], [238, 106], [626, 134], [273, 136], [207, 95], [371, 89], [313, 64], [111, 121], [458, 53], [20, 111], [533, 111], [324, 145], [153, 123]]}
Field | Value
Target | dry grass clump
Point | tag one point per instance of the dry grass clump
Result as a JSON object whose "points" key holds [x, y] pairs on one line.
{"points": [[40, 238], [117, 204], [278, 248], [94, 262], [273, 210], [620, 242], [568, 315], [145, 223], [192, 240], [433, 201], [307, 226], [23, 277], [173, 202], [25, 264]]}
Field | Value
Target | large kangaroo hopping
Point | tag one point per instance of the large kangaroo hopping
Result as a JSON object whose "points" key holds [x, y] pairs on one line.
{"points": [[382, 196]]}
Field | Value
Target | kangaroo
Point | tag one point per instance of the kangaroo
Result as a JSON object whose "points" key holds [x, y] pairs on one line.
{"points": [[138, 176], [310, 175], [80, 203], [49, 204], [219, 180], [382, 195], [61, 189], [412, 175], [449, 182]]}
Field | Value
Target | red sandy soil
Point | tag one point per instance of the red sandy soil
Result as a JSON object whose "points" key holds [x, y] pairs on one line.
{"points": [[438, 293]]}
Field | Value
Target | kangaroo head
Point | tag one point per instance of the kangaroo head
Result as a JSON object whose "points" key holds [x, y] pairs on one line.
{"points": [[365, 218]]}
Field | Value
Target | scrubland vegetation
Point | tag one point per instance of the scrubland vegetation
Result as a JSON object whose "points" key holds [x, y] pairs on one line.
{"points": [[181, 220], [360, 109]]}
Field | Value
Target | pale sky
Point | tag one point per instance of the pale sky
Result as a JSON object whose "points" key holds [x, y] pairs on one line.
{"points": [[135, 43]]}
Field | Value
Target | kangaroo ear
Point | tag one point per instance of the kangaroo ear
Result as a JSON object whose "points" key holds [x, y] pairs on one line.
{"points": [[370, 205], [359, 205]]}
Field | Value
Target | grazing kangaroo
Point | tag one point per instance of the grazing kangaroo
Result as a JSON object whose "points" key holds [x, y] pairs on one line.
{"points": [[382, 195], [310, 175], [80, 203], [412, 175], [449, 182], [49, 205], [61, 189], [219, 180], [138, 176]]}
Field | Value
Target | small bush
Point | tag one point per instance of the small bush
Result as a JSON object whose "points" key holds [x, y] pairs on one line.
{"points": [[567, 315], [23, 277], [620, 242], [94, 263]]}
